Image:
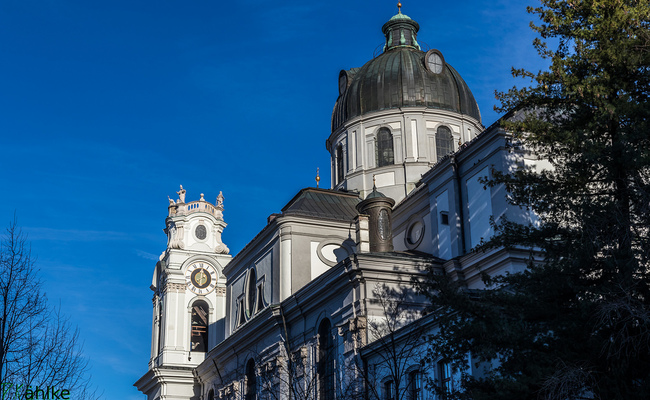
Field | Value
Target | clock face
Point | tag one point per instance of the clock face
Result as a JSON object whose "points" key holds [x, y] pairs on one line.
{"points": [[201, 278]]}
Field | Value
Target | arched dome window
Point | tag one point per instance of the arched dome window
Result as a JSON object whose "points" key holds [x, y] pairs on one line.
{"points": [[444, 142], [200, 324], [384, 147], [339, 164], [251, 381], [325, 368]]}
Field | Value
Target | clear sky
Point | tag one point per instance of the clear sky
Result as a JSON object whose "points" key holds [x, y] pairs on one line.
{"points": [[106, 107]]}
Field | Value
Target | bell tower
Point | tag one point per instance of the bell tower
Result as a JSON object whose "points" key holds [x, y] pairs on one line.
{"points": [[189, 303]]}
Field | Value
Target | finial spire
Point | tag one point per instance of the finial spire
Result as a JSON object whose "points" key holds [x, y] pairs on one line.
{"points": [[374, 182], [317, 176], [399, 7]]}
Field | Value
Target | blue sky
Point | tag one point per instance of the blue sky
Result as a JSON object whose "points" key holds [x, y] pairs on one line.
{"points": [[107, 106]]}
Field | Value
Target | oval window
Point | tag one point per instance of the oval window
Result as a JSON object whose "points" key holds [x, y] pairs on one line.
{"points": [[415, 232], [200, 232]]}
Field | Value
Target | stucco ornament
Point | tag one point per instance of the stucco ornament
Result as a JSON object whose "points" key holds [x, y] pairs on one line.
{"points": [[221, 248], [175, 236]]}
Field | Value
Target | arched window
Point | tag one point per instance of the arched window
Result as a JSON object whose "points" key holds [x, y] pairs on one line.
{"points": [[200, 323], [444, 142], [388, 389], [384, 147], [325, 368], [414, 385], [211, 394], [340, 175], [251, 294], [251, 381]]}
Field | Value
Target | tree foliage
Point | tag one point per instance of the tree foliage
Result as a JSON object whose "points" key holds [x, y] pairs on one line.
{"points": [[576, 323], [38, 347]]}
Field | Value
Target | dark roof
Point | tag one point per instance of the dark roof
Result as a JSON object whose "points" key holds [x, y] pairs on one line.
{"points": [[323, 203], [398, 78]]}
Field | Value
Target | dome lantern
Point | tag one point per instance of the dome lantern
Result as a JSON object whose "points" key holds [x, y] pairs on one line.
{"points": [[401, 31]]}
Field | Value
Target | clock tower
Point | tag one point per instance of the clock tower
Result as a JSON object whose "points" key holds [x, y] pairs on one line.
{"points": [[189, 302]]}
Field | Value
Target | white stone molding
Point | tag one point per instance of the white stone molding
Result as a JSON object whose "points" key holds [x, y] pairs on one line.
{"points": [[176, 287]]}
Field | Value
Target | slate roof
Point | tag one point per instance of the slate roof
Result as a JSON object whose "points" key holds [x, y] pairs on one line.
{"points": [[323, 203]]}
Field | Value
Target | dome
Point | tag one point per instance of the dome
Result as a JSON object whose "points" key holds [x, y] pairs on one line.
{"points": [[402, 76]]}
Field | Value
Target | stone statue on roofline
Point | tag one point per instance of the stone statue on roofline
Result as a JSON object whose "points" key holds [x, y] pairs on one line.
{"points": [[181, 195]]}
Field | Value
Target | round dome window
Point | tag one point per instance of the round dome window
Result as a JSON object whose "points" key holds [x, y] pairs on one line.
{"points": [[434, 61]]}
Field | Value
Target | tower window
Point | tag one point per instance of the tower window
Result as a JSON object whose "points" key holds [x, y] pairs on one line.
{"points": [[339, 164], [444, 142], [385, 154], [325, 367], [200, 325]]}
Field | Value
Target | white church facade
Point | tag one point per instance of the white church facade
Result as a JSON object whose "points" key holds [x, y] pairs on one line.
{"points": [[306, 309]]}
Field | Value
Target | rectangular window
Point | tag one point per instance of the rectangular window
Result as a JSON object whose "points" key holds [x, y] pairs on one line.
{"points": [[444, 376], [444, 217]]}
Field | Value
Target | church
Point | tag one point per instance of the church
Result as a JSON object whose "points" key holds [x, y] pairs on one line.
{"points": [[320, 303]]}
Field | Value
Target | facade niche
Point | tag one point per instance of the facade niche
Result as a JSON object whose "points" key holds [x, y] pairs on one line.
{"points": [[251, 381]]}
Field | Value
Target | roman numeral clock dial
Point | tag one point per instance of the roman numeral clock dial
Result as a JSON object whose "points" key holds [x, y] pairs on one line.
{"points": [[201, 278]]}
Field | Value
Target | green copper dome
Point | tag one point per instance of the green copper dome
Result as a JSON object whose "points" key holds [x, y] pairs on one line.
{"points": [[399, 78], [399, 15]]}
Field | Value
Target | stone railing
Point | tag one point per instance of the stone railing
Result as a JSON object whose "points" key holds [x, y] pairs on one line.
{"points": [[195, 206]]}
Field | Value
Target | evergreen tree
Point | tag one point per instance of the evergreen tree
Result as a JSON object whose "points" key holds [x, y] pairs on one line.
{"points": [[576, 323]]}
